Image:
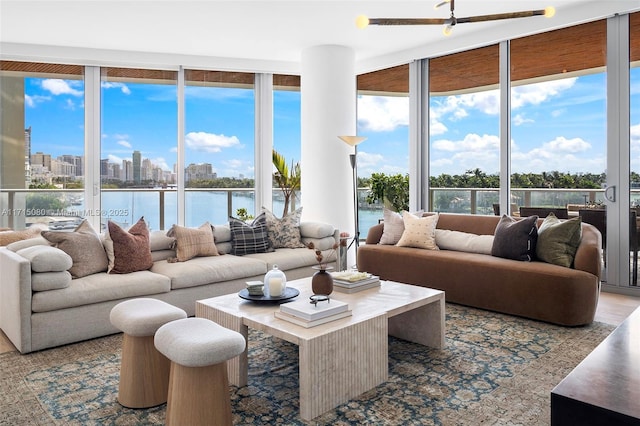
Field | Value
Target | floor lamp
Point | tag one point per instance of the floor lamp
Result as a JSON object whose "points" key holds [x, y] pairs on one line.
{"points": [[354, 141]]}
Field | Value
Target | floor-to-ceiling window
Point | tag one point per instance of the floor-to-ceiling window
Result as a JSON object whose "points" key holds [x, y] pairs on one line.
{"points": [[287, 136], [383, 118], [42, 144], [634, 134], [138, 146], [558, 118], [464, 131], [219, 146]]}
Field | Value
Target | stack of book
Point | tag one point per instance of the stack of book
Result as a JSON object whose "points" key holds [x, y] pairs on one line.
{"points": [[307, 314], [354, 281]]}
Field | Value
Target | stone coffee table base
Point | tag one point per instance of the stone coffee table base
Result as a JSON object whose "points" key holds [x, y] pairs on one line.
{"points": [[341, 359]]}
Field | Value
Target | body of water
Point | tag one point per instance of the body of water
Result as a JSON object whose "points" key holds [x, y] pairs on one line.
{"points": [[126, 208]]}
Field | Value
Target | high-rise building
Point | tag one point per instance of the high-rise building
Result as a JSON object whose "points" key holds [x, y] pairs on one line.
{"points": [[137, 163], [126, 174], [104, 169], [41, 159]]}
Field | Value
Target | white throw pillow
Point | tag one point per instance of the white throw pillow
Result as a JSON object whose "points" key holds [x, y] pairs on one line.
{"points": [[464, 241], [419, 231], [393, 226]]}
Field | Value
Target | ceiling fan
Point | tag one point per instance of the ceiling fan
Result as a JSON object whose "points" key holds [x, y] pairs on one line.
{"points": [[363, 21]]}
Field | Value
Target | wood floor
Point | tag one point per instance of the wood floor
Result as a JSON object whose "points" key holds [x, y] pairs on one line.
{"points": [[612, 309]]}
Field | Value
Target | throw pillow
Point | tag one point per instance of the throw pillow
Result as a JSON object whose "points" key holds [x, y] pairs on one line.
{"points": [[46, 258], [419, 232], [249, 238], [285, 232], [8, 236], [131, 250], [84, 247], [393, 226], [515, 239], [463, 241], [192, 242], [558, 240]]}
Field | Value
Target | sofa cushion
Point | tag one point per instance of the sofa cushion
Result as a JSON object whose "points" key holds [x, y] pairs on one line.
{"points": [[311, 229], [515, 239], [131, 249], [287, 259], [285, 232], [30, 242], [207, 270], [192, 242], [419, 232], [558, 240], [393, 226], [249, 238], [158, 241], [84, 247], [45, 281], [464, 241], [100, 287], [46, 258]]}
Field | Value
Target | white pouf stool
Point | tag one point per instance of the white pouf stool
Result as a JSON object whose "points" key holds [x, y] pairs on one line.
{"points": [[198, 385], [144, 372]]}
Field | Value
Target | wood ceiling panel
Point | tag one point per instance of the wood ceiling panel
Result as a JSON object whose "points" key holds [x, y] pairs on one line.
{"points": [[465, 70], [568, 50]]}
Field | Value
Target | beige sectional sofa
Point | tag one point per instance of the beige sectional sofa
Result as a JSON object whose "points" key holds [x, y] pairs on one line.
{"points": [[49, 314], [537, 290]]}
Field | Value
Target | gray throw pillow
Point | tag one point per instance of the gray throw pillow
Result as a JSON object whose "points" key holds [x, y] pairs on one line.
{"points": [[84, 247], [515, 239], [558, 240]]}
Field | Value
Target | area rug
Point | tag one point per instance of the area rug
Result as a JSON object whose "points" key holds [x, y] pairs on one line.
{"points": [[495, 370]]}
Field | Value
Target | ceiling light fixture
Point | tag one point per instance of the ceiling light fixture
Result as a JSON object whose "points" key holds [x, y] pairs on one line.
{"points": [[363, 21]]}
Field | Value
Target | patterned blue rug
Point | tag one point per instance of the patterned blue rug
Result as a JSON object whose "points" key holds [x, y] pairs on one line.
{"points": [[495, 369]]}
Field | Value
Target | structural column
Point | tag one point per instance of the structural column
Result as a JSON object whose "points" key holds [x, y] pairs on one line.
{"points": [[328, 109]]}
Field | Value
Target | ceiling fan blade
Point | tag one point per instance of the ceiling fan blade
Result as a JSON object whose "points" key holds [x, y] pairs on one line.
{"points": [[442, 3], [407, 21], [499, 16]]}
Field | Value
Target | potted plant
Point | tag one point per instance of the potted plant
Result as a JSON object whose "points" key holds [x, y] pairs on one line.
{"points": [[392, 191]]}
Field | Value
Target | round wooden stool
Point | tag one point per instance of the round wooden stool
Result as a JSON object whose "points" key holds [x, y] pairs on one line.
{"points": [[198, 385], [144, 372]]}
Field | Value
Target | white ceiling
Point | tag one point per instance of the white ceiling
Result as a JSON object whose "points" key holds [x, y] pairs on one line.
{"points": [[261, 35]]}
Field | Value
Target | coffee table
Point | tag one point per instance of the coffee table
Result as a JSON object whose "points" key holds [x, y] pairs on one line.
{"points": [[342, 359]]}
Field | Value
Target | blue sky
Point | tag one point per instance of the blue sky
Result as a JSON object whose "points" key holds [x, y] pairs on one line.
{"points": [[556, 125]]}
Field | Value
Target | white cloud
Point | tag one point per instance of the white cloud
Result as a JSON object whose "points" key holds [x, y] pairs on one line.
{"points": [[124, 143], [519, 120], [383, 113], [562, 144], [31, 100], [160, 162], [536, 93], [209, 142], [111, 85], [367, 160], [61, 87], [471, 143], [114, 159]]}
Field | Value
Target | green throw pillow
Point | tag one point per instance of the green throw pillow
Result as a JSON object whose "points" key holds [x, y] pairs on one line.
{"points": [[558, 240]]}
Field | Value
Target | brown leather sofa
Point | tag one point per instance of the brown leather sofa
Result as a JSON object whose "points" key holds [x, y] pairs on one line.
{"points": [[536, 290]]}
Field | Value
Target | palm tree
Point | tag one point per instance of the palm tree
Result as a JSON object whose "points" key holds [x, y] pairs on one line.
{"points": [[287, 179]]}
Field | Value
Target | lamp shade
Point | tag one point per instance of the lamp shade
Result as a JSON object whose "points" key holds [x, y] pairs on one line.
{"points": [[352, 140]]}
